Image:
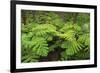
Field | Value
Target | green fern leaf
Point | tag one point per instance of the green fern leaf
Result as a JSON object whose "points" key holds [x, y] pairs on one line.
{"points": [[40, 46]]}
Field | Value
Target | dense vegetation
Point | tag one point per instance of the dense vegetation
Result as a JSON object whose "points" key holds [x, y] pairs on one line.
{"points": [[54, 36]]}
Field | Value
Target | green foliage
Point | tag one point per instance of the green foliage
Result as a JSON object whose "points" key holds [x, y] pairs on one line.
{"points": [[45, 32], [74, 42], [42, 17], [39, 46]]}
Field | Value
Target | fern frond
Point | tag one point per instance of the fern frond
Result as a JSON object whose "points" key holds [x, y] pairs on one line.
{"points": [[85, 38], [70, 26], [74, 47], [30, 57], [69, 35], [40, 46], [83, 54], [44, 29], [28, 28]]}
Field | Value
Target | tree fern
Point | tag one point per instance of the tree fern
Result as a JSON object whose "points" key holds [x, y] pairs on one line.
{"points": [[72, 45], [44, 32]]}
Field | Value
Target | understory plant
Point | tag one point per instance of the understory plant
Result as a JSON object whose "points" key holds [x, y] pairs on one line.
{"points": [[45, 32]]}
